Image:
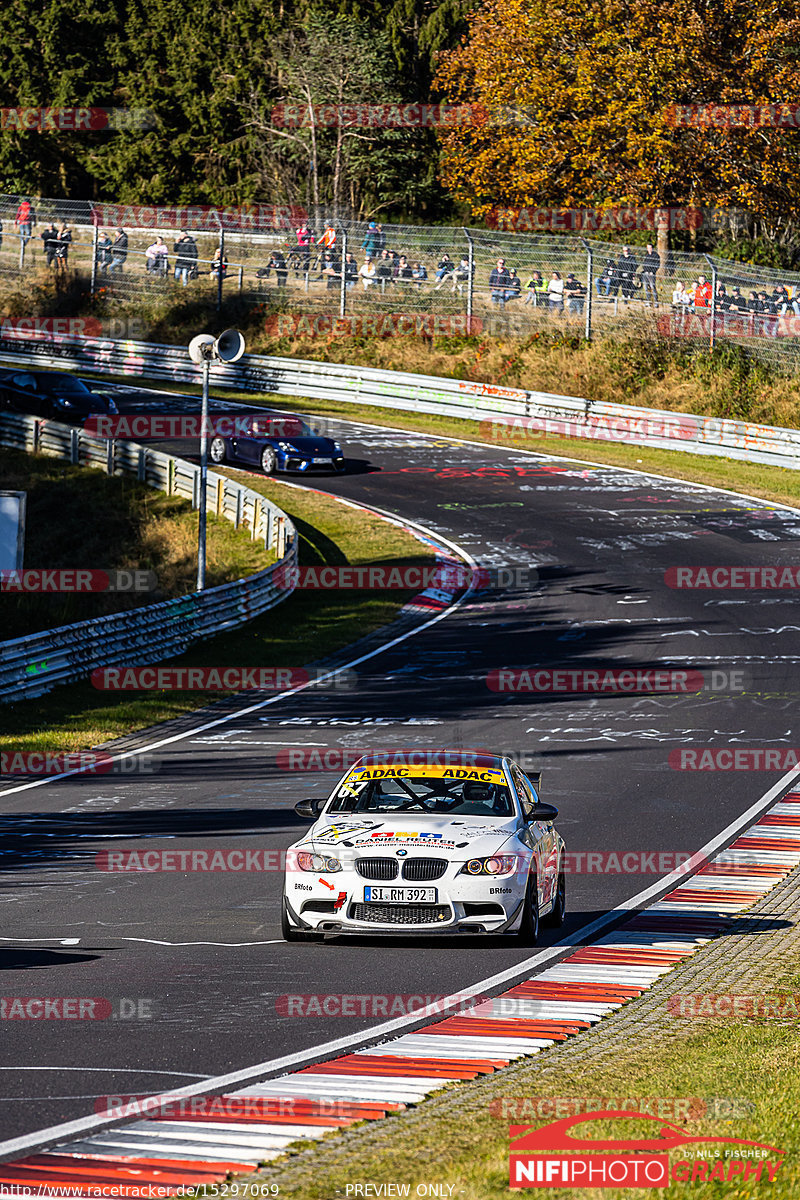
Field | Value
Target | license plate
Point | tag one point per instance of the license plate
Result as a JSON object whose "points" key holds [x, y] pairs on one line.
{"points": [[322, 460], [401, 895]]}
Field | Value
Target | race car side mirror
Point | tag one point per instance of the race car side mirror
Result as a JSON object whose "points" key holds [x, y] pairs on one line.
{"points": [[543, 812], [309, 808]]}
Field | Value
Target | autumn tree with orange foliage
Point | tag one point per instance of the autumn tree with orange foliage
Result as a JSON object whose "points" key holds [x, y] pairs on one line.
{"points": [[595, 78]]}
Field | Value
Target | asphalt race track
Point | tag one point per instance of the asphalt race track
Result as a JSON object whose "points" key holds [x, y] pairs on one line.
{"points": [[197, 957]]}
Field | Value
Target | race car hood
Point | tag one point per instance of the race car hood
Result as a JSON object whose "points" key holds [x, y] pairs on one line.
{"points": [[308, 447], [457, 836]]}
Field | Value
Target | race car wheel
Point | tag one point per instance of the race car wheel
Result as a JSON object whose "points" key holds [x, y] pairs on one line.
{"points": [[216, 451], [556, 916], [529, 927], [268, 460]]}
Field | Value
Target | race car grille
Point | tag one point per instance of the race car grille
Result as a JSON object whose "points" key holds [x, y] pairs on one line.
{"points": [[377, 868], [424, 868], [401, 914]]}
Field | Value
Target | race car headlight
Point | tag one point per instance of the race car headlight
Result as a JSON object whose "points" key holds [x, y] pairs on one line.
{"points": [[62, 400], [287, 447], [498, 864], [337, 449], [317, 862]]}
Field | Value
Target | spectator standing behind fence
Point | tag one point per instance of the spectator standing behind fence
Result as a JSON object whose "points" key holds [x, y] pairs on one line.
{"points": [[103, 250], [738, 301], [157, 257], [608, 279], [681, 300], [185, 250], [63, 243], [514, 289], [575, 294], [402, 269], [651, 264], [350, 272], [702, 295], [461, 276], [419, 274], [328, 239], [49, 238], [372, 241], [498, 282], [626, 269], [368, 273], [277, 263], [304, 240], [219, 264], [331, 269], [384, 269], [25, 220], [445, 267], [536, 289], [555, 293], [119, 251]]}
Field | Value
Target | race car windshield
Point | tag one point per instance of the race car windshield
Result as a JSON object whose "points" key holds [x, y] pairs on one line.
{"points": [[361, 792]]}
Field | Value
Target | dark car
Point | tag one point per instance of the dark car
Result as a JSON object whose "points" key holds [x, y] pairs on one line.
{"points": [[51, 394], [277, 442]]}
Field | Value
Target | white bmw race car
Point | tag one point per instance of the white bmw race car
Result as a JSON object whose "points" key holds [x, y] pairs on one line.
{"points": [[426, 842]]}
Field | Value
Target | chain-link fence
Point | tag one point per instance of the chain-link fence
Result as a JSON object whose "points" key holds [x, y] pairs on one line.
{"points": [[347, 276]]}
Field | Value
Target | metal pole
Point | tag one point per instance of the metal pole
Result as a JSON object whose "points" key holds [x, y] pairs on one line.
{"points": [[94, 261], [343, 281], [471, 256], [201, 527], [713, 336], [589, 289]]}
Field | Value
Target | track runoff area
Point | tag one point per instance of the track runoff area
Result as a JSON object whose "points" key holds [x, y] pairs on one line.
{"points": [[643, 777]]}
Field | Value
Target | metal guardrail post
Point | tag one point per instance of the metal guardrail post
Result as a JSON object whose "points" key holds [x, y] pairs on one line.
{"points": [[713, 335], [74, 447], [471, 257], [343, 281], [589, 289], [221, 261], [141, 465], [93, 284]]}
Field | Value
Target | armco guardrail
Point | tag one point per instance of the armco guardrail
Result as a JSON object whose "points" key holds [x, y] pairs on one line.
{"points": [[32, 665], [559, 415]]}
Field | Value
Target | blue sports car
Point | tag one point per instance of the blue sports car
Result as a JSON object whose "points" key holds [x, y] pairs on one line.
{"points": [[277, 442]]}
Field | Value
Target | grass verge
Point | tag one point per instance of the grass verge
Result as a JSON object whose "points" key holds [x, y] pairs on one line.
{"points": [[306, 627], [80, 517]]}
